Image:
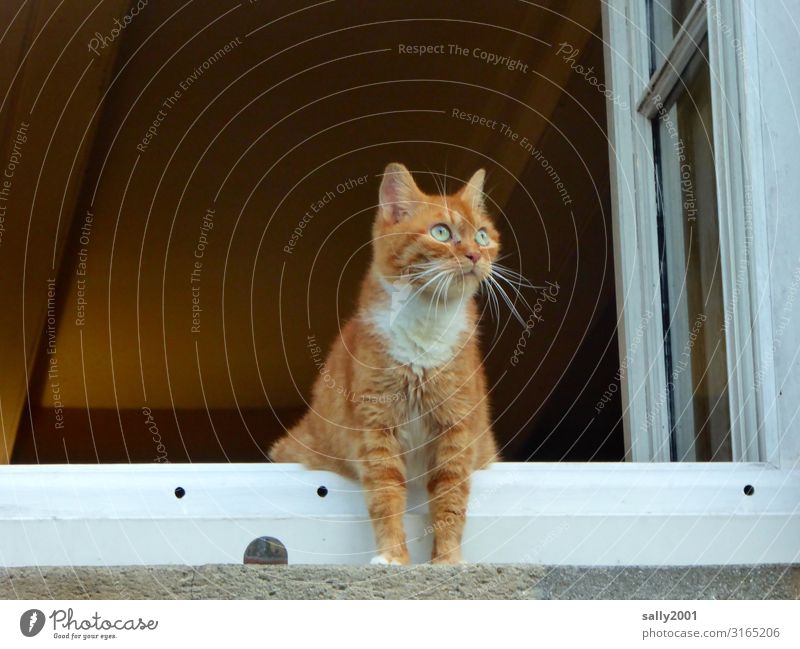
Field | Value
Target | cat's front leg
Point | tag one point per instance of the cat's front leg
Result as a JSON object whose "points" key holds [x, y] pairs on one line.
{"points": [[383, 477], [448, 491]]}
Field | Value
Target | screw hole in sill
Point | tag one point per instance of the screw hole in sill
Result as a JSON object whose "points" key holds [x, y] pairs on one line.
{"points": [[749, 490], [180, 492], [322, 491]]}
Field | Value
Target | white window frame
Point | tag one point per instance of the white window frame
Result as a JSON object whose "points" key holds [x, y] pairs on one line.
{"points": [[645, 512], [743, 247]]}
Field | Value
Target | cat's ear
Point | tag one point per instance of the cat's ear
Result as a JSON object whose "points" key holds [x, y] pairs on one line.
{"points": [[472, 193], [399, 195]]}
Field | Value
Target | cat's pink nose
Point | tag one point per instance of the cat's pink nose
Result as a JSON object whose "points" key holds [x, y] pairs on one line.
{"points": [[474, 256]]}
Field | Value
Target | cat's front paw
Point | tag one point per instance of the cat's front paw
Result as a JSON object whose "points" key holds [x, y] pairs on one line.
{"points": [[383, 560]]}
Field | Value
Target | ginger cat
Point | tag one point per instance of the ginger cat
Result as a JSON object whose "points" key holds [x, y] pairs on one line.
{"points": [[403, 393]]}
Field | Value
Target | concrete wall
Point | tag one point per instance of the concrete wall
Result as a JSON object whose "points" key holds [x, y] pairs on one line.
{"points": [[418, 582]]}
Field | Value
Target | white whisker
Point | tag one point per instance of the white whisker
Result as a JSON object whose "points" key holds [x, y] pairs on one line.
{"points": [[518, 292], [513, 275], [491, 303], [512, 307], [426, 284]]}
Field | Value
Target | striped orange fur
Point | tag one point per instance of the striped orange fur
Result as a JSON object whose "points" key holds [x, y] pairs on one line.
{"points": [[402, 395]]}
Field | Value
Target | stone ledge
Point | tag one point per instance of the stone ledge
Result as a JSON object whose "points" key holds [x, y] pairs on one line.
{"points": [[415, 582]]}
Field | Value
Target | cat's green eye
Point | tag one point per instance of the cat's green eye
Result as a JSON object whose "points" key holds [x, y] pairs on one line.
{"points": [[482, 237], [441, 232]]}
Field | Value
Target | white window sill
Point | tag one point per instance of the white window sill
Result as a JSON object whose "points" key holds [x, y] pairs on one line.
{"points": [[551, 514]]}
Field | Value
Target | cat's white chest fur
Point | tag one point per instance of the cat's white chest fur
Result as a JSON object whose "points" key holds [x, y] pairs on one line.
{"points": [[418, 332]]}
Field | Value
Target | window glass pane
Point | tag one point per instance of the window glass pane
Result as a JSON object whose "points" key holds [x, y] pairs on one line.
{"points": [[678, 9], [667, 17], [697, 367]]}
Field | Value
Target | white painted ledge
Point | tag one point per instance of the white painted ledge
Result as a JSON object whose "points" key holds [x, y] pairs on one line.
{"points": [[550, 514]]}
